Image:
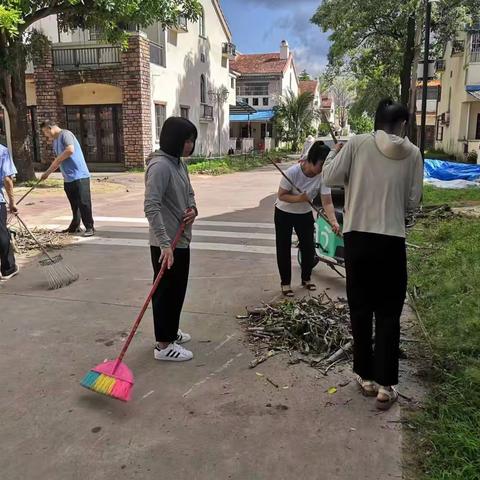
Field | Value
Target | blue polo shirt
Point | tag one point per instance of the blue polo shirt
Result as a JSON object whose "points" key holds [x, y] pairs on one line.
{"points": [[75, 167], [7, 169]]}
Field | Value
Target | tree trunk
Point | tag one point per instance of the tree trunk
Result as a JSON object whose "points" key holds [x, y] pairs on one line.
{"points": [[14, 98], [406, 73], [412, 104]]}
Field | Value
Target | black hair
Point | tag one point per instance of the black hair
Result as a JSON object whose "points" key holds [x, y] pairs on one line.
{"points": [[389, 114], [175, 132], [48, 123], [318, 153]]}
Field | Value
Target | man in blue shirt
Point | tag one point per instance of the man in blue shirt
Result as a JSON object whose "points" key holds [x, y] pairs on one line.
{"points": [[8, 268], [76, 177]]}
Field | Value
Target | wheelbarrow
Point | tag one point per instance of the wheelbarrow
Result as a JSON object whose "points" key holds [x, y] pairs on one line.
{"points": [[329, 247]]}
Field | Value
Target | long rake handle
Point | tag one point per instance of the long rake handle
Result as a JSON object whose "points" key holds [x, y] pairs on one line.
{"points": [[35, 239], [320, 212], [147, 301], [332, 133], [29, 191]]}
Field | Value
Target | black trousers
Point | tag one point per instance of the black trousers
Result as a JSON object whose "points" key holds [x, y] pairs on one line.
{"points": [[304, 228], [78, 194], [376, 287], [7, 260], [167, 301]]}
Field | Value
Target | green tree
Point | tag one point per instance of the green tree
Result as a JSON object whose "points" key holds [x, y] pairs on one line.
{"points": [[342, 90], [19, 41], [294, 116], [361, 123], [304, 76], [378, 40]]}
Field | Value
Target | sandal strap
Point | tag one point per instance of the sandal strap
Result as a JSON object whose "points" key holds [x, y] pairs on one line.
{"points": [[391, 394]]}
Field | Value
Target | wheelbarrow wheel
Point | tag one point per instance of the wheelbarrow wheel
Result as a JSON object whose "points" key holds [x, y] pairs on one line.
{"points": [[316, 259]]}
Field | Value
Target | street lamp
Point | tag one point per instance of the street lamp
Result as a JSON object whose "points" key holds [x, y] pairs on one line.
{"points": [[219, 96], [426, 64]]}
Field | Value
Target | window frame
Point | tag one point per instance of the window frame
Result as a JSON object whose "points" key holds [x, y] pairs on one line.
{"points": [[185, 108], [203, 89], [158, 128], [202, 31]]}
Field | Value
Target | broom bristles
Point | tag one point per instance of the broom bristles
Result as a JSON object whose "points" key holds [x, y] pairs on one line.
{"points": [[107, 385]]}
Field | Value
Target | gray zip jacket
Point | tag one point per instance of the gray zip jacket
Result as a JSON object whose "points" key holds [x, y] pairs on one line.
{"points": [[168, 193]]}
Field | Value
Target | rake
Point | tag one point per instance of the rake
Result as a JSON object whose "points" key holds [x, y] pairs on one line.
{"points": [[58, 273]]}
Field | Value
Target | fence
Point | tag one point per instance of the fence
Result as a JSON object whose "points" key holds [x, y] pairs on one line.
{"points": [[85, 57]]}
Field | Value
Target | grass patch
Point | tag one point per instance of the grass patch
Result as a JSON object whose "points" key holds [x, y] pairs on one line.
{"points": [[439, 155], [229, 164], [446, 283], [439, 196]]}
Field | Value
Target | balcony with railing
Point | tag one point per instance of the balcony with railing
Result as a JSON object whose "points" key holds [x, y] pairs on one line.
{"points": [[85, 57], [157, 54], [181, 25], [229, 50], [206, 112]]}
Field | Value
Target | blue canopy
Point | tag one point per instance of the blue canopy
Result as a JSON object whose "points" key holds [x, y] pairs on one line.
{"points": [[440, 170], [260, 116]]}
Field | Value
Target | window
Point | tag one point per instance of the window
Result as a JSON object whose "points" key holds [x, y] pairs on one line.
{"points": [[185, 112], [475, 52], [203, 57], [203, 89], [255, 102], [201, 24], [432, 93], [477, 135], [439, 130], [252, 88], [458, 47], [160, 117], [232, 83], [265, 101]]}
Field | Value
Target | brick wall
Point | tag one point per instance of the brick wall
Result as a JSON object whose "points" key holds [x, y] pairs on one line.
{"points": [[132, 76]]}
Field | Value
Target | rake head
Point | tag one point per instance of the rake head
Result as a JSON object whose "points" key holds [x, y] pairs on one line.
{"points": [[58, 273]]}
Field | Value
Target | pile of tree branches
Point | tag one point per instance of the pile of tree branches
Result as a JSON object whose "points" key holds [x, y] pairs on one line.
{"points": [[314, 329]]}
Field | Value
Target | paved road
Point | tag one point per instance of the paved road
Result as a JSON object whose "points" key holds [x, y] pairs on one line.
{"points": [[212, 418]]}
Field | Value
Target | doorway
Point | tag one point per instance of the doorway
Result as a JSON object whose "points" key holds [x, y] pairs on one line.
{"points": [[99, 131]]}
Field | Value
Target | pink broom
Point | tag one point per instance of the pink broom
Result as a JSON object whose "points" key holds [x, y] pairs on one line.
{"points": [[113, 378]]}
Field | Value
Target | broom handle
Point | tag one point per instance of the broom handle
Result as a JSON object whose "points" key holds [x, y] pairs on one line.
{"points": [[35, 239], [319, 212], [332, 133], [147, 301], [29, 192]]}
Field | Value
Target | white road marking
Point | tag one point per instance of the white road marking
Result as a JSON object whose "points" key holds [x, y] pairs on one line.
{"points": [[220, 345], [148, 394], [216, 247], [199, 222], [211, 375]]}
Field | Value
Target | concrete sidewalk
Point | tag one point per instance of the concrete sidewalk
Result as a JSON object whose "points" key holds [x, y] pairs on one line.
{"points": [[212, 418]]}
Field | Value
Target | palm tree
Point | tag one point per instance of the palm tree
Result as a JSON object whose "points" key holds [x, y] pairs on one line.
{"points": [[294, 115]]}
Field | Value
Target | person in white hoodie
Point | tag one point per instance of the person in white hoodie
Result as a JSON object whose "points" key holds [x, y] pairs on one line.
{"points": [[383, 178]]}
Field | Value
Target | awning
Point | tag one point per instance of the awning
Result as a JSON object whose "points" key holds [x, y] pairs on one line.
{"points": [[241, 108], [260, 116], [474, 90]]}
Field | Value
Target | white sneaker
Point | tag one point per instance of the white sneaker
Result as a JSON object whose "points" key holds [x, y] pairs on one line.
{"points": [[173, 353], [182, 337], [13, 274]]}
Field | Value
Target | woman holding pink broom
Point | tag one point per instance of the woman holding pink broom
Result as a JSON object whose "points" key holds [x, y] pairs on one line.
{"points": [[169, 202]]}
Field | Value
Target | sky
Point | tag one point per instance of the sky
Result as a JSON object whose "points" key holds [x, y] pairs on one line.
{"points": [[259, 26]]}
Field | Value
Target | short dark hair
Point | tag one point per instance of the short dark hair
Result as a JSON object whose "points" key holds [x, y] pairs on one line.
{"points": [[48, 124], [318, 153], [389, 114]]}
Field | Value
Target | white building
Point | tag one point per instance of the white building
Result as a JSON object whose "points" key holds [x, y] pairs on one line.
{"points": [[262, 78], [116, 101], [458, 121]]}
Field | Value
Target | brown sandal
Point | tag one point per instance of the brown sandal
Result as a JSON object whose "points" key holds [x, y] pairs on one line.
{"points": [[367, 387], [311, 287], [386, 403], [287, 291]]}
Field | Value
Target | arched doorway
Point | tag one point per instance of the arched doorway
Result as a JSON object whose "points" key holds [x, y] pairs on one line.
{"points": [[94, 115]]}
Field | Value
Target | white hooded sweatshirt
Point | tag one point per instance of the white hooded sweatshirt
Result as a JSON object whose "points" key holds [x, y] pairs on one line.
{"points": [[383, 179]]}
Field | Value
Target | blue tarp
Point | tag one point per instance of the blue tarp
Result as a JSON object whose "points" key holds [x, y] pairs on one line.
{"points": [[441, 170], [260, 116]]}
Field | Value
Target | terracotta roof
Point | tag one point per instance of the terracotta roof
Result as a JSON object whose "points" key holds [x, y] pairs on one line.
{"points": [[260, 63], [431, 83], [308, 86]]}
